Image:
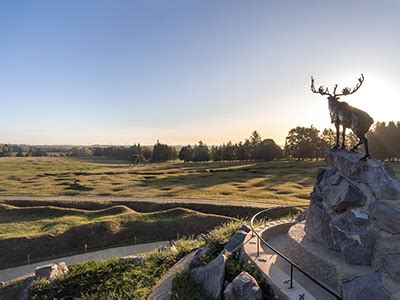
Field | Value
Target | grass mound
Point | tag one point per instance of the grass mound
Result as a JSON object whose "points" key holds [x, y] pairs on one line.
{"points": [[38, 220], [44, 232], [114, 279]]}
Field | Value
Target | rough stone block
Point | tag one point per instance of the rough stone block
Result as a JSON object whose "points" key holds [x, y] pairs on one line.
{"points": [[358, 216], [211, 276], [383, 247], [355, 243], [51, 271], [317, 225], [365, 287], [244, 286], [235, 241], [386, 216], [378, 175], [392, 266]]}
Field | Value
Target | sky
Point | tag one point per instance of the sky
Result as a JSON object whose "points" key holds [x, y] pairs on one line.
{"points": [[178, 71]]}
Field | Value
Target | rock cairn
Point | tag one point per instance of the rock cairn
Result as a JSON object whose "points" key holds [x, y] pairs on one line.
{"points": [[355, 210]]}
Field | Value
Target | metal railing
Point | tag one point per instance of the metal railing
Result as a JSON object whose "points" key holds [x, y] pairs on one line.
{"points": [[293, 265]]}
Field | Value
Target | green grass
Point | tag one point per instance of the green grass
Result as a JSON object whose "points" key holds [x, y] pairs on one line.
{"points": [[184, 288], [269, 182], [112, 279], [46, 232], [39, 220], [50, 220]]}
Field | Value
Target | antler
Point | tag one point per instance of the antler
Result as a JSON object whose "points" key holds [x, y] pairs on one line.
{"points": [[321, 90], [348, 91]]}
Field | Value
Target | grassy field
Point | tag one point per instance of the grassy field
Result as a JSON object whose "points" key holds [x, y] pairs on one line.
{"points": [[114, 279], [270, 182], [48, 231], [276, 182]]}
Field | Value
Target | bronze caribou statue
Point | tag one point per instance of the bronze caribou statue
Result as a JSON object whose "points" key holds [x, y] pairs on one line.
{"points": [[349, 117]]}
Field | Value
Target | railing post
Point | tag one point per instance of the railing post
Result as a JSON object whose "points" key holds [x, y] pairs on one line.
{"points": [[291, 276]]}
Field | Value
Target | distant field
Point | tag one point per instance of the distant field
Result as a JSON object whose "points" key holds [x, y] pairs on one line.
{"points": [[270, 182]]}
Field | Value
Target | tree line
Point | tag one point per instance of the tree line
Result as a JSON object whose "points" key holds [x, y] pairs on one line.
{"points": [[301, 143], [254, 148], [309, 143]]}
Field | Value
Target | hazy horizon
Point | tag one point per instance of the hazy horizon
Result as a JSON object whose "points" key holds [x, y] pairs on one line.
{"points": [[116, 73]]}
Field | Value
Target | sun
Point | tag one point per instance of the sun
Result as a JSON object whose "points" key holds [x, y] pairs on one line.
{"points": [[379, 98]]}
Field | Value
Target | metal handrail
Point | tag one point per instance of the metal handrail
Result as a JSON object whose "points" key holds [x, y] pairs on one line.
{"points": [[292, 264]]}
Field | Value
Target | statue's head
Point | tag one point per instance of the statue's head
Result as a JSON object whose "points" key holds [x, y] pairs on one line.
{"points": [[335, 97]]}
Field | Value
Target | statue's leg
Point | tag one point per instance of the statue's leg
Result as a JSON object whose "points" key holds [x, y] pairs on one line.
{"points": [[364, 140], [337, 125], [366, 148], [344, 138], [355, 147]]}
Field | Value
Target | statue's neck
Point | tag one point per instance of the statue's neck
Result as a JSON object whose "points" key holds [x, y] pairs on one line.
{"points": [[333, 103]]}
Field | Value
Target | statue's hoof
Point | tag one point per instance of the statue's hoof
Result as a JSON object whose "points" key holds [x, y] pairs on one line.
{"points": [[364, 158]]}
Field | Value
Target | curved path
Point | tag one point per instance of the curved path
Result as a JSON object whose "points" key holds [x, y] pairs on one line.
{"points": [[275, 269], [12, 273], [136, 199]]}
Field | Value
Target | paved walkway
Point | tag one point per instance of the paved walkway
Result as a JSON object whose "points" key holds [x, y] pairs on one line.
{"points": [[277, 270], [134, 199], [280, 242], [270, 269], [12, 273]]}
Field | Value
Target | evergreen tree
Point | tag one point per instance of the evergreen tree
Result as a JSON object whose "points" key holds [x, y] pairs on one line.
{"points": [[201, 152], [186, 153]]}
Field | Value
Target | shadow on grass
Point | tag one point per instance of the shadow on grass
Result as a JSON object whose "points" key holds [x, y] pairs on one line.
{"points": [[274, 174]]}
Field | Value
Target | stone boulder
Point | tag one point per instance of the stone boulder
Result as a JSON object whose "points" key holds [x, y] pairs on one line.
{"points": [[358, 216], [244, 286], [365, 287], [392, 266], [201, 237], [197, 258], [235, 241], [211, 276], [51, 272], [355, 243], [133, 259], [25, 289], [341, 194], [245, 228], [384, 247], [379, 176], [317, 223], [386, 215]]}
